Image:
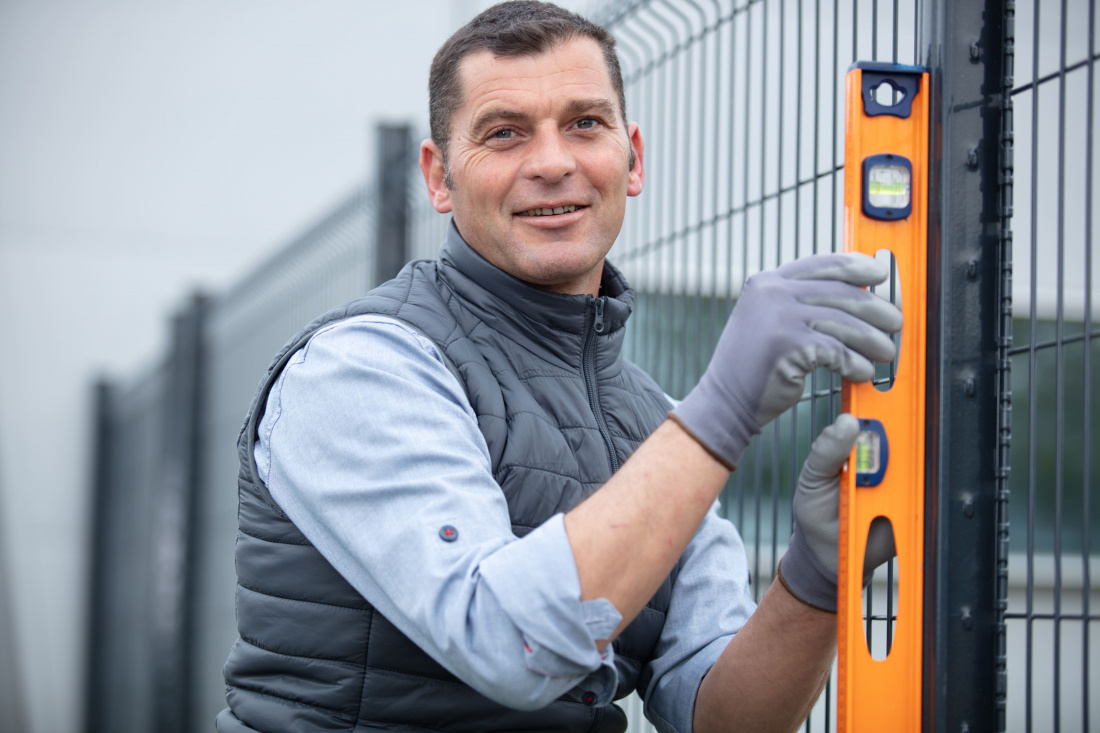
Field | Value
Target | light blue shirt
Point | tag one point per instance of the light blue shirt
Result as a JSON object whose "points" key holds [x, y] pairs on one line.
{"points": [[370, 446]]}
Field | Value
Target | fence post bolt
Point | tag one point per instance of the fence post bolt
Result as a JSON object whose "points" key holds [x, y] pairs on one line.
{"points": [[966, 618], [972, 159], [968, 512], [975, 52], [972, 269]]}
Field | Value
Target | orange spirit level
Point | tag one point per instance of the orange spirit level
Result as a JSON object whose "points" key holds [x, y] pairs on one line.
{"points": [[885, 208]]}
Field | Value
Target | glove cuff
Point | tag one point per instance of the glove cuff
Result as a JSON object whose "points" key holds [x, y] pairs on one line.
{"points": [[720, 430], [805, 576]]}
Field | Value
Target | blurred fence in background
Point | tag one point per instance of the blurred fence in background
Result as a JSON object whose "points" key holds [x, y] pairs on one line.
{"points": [[742, 108], [161, 614]]}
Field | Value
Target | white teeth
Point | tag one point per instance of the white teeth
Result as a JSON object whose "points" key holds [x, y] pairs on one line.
{"points": [[549, 212]]}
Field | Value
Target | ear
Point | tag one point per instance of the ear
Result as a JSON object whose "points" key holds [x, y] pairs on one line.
{"points": [[431, 165], [637, 173]]}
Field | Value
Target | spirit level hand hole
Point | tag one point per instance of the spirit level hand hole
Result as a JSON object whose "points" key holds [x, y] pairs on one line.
{"points": [[880, 600], [887, 94], [886, 372]]}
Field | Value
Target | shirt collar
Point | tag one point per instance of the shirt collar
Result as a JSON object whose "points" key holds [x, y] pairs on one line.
{"points": [[558, 320]]}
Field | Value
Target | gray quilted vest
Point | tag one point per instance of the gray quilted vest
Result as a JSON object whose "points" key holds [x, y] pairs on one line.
{"points": [[560, 409]]}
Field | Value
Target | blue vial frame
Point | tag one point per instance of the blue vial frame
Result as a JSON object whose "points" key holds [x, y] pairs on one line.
{"points": [[870, 425], [886, 213]]}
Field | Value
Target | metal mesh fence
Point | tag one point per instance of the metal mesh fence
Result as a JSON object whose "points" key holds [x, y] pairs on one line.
{"points": [[741, 106], [1052, 605]]}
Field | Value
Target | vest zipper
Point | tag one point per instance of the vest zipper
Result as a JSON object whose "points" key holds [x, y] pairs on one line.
{"points": [[589, 369]]}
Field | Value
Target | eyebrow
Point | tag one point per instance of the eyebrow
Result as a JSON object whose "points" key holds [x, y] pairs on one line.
{"points": [[597, 106], [493, 115], [577, 107]]}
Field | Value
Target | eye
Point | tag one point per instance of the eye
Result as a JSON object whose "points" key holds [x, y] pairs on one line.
{"points": [[504, 134], [587, 123]]}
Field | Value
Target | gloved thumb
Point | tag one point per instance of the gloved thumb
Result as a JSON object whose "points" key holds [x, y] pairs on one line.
{"points": [[829, 452], [816, 501]]}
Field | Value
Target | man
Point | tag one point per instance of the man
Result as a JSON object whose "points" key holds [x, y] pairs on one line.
{"points": [[440, 529]]}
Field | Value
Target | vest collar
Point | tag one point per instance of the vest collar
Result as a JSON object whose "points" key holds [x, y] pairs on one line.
{"points": [[555, 319]]}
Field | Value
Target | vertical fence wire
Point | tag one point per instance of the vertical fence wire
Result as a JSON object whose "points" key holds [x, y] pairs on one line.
{"points": [[1087, 368]]}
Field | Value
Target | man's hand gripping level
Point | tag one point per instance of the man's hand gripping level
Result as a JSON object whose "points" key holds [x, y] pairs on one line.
{"points": [[809, 313], [813, 312], [809, 569]]}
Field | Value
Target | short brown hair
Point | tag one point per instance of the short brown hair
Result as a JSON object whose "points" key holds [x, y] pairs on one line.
{"points": [[510, 29]]}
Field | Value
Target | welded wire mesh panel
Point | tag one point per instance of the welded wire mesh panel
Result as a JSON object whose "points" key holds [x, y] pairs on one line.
{"points": [[330, 264], [1052, 645], [741, 106]]}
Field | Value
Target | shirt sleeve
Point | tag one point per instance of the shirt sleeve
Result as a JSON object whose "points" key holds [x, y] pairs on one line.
{"points": [[711, 601], [370, 446]]}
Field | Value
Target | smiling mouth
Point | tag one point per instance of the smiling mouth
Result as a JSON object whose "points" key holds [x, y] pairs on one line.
{"points": [[550, 212]]}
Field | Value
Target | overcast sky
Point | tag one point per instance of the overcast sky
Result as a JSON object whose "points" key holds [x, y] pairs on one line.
{"points": [[148, 149]]}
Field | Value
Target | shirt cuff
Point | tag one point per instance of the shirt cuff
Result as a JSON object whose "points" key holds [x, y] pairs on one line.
{"points": [[536, 583], [680, 690], [598, 689]]}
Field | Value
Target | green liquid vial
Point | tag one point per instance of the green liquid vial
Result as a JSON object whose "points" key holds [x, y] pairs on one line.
{"points": [[867, 452]]}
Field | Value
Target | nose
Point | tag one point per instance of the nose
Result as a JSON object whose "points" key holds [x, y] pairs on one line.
{"points": [[549, 157]]}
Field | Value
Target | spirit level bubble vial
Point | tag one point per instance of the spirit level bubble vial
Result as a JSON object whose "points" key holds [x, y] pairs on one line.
{"points": [[885, 208], [872, 453]]}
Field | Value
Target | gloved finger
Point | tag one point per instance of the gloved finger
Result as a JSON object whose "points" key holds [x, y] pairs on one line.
{"points": [[828, 352], [869, 342], [787, 381], [850, 267], [880, 545], [860, 303], [785, 386], [829, 452]]}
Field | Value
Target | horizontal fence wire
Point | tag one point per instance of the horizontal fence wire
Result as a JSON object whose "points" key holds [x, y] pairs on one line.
{"points": [[1052, 614]]}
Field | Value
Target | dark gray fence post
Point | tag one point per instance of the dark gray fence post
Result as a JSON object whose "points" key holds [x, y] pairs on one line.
{"points": [[969, 268], [96, 684], [173, 543], [13, 715], [394, 146]]}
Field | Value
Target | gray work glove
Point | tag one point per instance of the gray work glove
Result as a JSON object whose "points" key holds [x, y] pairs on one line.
{"points": [[806, 314], [809, 569]]}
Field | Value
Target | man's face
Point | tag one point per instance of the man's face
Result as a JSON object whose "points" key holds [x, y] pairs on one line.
{"points": [[536, 135]]}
